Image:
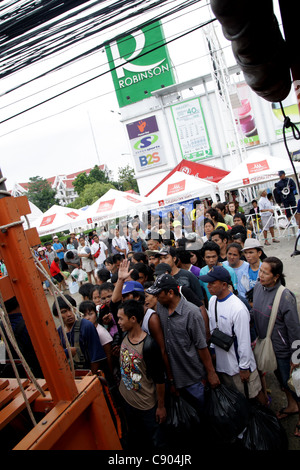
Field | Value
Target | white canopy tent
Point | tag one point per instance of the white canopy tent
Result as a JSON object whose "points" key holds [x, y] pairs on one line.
{"points": [[114, 204], [181, 187], [57, 219], [33, 216], [257, 169]]}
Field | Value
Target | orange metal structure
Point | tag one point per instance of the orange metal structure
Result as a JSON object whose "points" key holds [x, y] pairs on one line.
{"points": [[76, 414]]}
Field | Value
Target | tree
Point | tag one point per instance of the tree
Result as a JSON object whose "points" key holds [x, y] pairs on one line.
{"points": [[127, 180], [95, 175], [80, 182], [90, 194], [40, 193]]}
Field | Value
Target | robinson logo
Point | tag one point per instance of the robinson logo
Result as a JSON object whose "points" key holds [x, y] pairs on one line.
{"points": [[140, 57]]}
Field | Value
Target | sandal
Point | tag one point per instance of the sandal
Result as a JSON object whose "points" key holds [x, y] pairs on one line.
{"points": [[286, 413], [297, 430], [267, 243]]}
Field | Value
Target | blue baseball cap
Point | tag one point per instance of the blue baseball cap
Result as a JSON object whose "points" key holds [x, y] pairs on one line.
{"points": [[217, 273], [132, 286]]}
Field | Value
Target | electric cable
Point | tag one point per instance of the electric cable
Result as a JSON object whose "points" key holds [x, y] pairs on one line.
{"points": [[98, 76]]}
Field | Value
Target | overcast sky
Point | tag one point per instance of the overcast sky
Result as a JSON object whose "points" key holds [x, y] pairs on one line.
{"points": [[64, 136]]}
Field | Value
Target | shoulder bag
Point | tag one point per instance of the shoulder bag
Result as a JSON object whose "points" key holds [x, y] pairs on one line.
{"points": [[263, 350], [220, 339]]}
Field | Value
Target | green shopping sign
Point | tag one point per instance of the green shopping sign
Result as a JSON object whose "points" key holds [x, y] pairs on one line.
{"points": [[139, 64]]}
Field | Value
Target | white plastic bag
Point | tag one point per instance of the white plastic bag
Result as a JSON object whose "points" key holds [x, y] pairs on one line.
{"points": [[73, 287], [79, 274], [294, 381]]}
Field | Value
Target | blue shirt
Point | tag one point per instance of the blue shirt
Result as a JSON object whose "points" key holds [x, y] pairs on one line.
{"points": [[253, 275], [89, 342], [242, 274], [58, 246]]}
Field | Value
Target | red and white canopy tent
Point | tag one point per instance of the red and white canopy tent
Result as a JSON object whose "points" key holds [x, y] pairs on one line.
{"points": [[114, 204], [57, 219], [180, 187], [199, 170], [257, 169]]}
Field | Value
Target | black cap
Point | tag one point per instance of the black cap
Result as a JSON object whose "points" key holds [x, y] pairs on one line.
{"points": [[217, 273], [165, 281]]}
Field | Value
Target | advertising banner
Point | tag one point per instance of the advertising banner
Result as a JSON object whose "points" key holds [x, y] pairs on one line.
{"points": [[139, 63], [191, 130], [145, 142], [244, 116]]}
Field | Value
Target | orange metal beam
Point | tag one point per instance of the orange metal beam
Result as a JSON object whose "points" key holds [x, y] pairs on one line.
{"points": [[85, 423], [28, 289]]}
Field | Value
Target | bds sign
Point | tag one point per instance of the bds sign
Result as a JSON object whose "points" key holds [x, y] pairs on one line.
{"points": [[145, 142]]}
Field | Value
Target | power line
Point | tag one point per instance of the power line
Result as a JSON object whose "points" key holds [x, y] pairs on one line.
{"points": [[74, 76], [100, 75]]}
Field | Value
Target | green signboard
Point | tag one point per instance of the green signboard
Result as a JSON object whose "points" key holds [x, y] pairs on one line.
{"points": [[139, 64], [191, 130]]}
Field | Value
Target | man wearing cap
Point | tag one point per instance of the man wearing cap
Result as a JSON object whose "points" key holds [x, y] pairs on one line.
{"points": [[285, 190], [267, 219], [178, 231], [186, 292], [185, 342], [182, 276], [229, 314], [253, 251]]}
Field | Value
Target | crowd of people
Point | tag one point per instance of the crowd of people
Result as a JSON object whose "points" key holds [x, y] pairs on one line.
{"points": [[154, 297]]}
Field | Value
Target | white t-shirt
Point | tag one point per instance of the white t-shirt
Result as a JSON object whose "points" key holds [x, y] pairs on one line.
{"points": [[120, 242], [232, 312], [102, 256], [264, 204], [104, 335]]}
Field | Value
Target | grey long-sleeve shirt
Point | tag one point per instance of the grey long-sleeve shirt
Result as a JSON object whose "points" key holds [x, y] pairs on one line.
{"points": [[287, 325]]}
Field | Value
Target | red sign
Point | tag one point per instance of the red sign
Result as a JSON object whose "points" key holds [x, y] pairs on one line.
{"points": [[73, 215], [106, 206], [132, 199], [47, 220], [246, 181], [258, 166], [161, 203], [89, 221], [176, 187]]}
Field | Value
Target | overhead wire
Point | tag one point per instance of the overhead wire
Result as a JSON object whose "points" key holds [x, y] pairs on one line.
{"points": [[89, 52], [98, 76], [79, 74], [100, 18]]}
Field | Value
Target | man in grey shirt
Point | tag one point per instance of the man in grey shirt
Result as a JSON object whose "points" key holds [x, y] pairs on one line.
{"points": [[184, 334], [72, 260]]}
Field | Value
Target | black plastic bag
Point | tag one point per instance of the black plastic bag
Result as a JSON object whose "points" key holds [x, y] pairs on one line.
{"points": [[182, 417], [264, 431], [227, 412]]}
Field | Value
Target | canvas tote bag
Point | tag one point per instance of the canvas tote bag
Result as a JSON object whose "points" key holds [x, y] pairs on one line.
{"points": [[263, 350]]}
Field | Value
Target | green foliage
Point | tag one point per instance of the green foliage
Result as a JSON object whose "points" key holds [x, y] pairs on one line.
{"points": [[126, 179], [95, 175], [91, 187], [90, 194], [40, 193], [80, 182]]}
